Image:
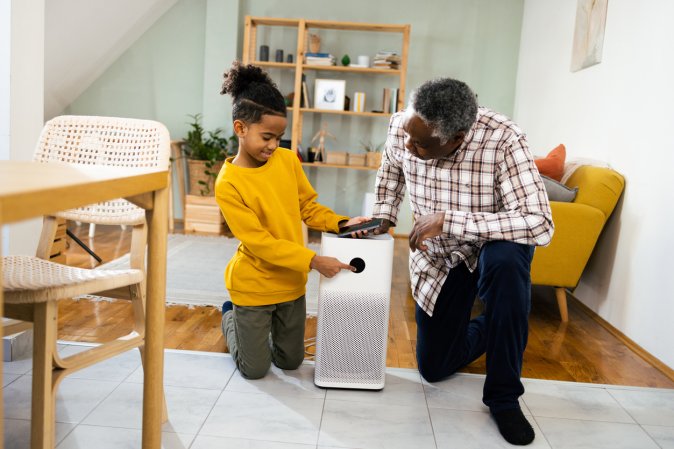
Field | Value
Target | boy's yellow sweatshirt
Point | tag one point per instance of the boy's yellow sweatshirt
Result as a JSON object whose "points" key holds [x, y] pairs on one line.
{"points": [[264, 208]]}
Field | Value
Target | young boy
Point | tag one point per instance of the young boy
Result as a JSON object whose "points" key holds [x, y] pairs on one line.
{"points": [[265, 196]]}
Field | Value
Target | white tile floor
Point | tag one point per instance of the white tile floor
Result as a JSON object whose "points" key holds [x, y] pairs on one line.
{"points": [[211, 406]]}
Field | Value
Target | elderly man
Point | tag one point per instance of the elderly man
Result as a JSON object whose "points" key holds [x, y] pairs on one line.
{"points": [[479, 209]]}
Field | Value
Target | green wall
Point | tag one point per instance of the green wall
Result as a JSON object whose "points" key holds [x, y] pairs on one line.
{"points": [[476, 41], [160, 77], [175, 68]]}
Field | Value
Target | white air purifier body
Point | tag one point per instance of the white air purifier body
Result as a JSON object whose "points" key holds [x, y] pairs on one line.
{"points": [[353, 314]]}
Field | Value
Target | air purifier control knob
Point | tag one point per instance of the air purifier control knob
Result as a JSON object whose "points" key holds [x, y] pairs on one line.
{"points": [[358, 264]]}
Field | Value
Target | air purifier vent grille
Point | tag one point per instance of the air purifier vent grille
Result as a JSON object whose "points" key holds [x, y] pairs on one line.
{"points": [[351, 339]]}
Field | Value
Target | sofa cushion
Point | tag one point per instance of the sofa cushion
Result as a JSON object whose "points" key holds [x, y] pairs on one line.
{"points": [[558, 191], [597, 187], [552, 165]]}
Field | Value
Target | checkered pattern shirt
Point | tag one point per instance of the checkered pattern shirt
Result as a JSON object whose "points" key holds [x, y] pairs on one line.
{"points": [[489, 189]]}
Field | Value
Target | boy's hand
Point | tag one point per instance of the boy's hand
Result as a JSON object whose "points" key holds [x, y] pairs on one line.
{"points": [[354, 221], [328, 266]]}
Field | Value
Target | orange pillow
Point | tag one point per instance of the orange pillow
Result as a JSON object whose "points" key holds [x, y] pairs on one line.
{"points": [[552, 165]]}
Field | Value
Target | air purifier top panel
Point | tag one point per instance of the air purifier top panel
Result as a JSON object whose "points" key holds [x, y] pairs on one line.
{"points": [[372, 256]]}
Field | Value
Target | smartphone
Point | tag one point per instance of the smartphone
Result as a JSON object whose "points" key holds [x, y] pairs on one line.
{"points": [[346, 231]]}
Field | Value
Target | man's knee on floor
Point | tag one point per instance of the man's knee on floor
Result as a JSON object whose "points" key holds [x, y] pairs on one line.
{"points": [[430, 376], [431, 371]]}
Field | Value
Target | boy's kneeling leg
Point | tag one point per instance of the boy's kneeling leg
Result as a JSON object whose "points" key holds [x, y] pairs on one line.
{"points": [[288, 324], [255, 370], [248, 339]]}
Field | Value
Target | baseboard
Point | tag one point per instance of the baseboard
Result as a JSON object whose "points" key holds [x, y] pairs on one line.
{"points": [[638, 350], [18, 346]]}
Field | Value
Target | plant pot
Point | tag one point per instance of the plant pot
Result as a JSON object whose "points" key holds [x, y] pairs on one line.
{"points": [[202, 214], [373, 159], [197, 172]]}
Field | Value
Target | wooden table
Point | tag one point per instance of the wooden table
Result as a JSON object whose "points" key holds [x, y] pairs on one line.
{"points": [[32, 189]]}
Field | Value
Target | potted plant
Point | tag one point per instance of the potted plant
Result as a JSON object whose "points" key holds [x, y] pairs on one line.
{"points": [[372, 153], [205, 153]]}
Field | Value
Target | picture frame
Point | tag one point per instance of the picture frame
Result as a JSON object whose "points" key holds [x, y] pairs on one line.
{"points": [[588, 38], [329, 94]]}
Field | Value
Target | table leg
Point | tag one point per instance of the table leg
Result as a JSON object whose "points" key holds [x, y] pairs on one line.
{"points": [[157, 220]]}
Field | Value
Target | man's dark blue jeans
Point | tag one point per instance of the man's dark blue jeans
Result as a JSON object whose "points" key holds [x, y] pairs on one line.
{"points": [[450, 340]]}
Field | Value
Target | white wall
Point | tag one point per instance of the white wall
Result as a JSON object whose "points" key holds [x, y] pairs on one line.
{"points": [[26, 102], [5, 38], [619, 111]]}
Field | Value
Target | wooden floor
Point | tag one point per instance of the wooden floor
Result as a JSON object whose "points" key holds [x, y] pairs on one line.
{"points": [[581, 351]]}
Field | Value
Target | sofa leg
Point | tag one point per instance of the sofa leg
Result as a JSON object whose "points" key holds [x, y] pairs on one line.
{"points": [[560, 293]]}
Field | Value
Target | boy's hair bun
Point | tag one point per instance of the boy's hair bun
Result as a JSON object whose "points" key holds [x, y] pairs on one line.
{"points": [[241, 77], [253, 92]]}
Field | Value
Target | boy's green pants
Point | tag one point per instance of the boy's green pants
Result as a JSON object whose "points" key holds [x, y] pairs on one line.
{"points": [[259, 335]]}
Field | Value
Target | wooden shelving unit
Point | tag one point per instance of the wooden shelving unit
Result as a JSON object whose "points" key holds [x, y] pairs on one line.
{"points": [[363, 114], [304, 27], [339, 68], [277, 65]]}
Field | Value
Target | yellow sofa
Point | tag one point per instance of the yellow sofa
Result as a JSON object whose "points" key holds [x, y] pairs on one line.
{"points": [[577, 228]]}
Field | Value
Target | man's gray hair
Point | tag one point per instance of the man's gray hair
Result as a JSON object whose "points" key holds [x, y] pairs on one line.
{"points": [[446, 105]]}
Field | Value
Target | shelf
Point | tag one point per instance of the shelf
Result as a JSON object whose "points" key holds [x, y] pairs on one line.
{"points": [[323, 165], [273, 21], [338, 68], [278, 65], [330, 111], [357, 26], [252, 40]]}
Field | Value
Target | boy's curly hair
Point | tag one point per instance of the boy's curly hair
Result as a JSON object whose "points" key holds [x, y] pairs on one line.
{"points": [[253, 92]]}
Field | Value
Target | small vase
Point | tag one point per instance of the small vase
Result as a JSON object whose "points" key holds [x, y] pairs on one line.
{"points": [[264, 52]]}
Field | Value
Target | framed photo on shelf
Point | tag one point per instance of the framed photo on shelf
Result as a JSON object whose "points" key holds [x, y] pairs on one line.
{"points": [[329, 94]]}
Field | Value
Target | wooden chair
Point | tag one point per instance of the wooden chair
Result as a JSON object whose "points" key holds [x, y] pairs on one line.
{"points": [[33, 285]]}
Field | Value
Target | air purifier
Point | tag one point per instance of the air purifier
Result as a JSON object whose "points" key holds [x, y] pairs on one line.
{"points": [[353, 314]]}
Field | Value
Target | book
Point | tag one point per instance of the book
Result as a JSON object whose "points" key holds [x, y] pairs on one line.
{"points": [[359, 102], [305, 96], [387, 60], [319, 59], [394, 101], [386, 101]]}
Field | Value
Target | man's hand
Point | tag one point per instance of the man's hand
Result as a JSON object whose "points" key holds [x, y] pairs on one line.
{"points": [[383, 229], [425, 227], [328, 266]]}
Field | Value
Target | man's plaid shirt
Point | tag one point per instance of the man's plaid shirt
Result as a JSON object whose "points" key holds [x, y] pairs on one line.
{"points": [[489, 189]]}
